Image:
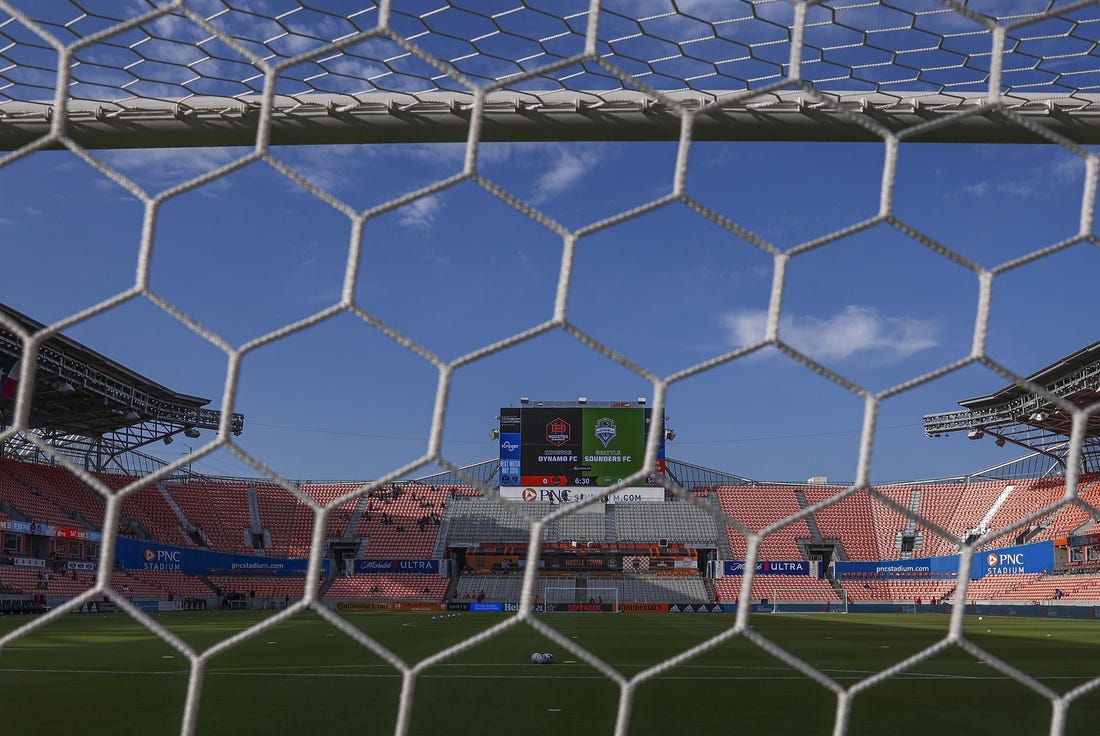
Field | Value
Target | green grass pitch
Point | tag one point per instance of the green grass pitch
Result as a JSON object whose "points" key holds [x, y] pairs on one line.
{"points": [[105, 674]]}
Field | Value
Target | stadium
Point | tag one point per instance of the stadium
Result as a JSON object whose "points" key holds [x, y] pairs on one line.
{"points": [[461, 542], [276, 267]]}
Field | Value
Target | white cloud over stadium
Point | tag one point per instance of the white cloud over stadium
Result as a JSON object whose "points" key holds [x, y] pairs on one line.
{"points": [[855, 330]]}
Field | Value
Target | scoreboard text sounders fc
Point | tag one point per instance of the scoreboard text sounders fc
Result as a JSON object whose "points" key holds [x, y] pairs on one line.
{"points": [[596, 447]]}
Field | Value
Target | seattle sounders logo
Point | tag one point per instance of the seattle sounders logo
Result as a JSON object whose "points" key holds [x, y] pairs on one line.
{"points": [[605, 430]]}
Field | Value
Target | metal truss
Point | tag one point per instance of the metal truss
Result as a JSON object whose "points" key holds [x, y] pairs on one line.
{"points": [[1031, 421], [95, 410]]}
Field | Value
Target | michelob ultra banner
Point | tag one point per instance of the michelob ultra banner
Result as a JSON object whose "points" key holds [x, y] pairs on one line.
{"points": [[409, 567], [768, 567]]}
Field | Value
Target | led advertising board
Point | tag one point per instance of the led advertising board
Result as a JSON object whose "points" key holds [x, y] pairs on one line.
{"points": [[587, 447]]}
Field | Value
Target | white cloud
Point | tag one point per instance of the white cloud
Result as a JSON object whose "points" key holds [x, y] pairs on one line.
{"points": [[567, 167], [420, 214], [165, 167], [855, 330]]}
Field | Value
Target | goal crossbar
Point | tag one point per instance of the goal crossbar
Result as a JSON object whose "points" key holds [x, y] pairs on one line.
{"points": [[382, 117]]}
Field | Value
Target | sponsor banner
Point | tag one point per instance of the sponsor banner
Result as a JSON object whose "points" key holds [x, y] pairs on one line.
{"points": [[458, 606], [409, 567], [513, 607], [696, 608], [11, 525], [487, 607], [509, 455], [416, 606], [45, 530], [362, 606], [672, 563], [29, 562], [551, 561], [138, 555], [576, 494], [1083, 540], [643, 607], [80, 565], [587, 607], [923, 567], [768, 567], [1028, 558]]}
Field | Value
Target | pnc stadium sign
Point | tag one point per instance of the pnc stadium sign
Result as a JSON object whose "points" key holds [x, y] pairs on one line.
{"points": [[164, 560], [576, 494], [1004, 563]]}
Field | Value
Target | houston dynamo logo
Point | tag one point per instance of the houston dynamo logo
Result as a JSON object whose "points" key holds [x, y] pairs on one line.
{"points": [[605, 430], [558, 432]]}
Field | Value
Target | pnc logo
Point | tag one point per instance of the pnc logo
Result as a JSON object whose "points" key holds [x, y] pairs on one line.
{"points": [[530, 494], [150, 555], [991, 559]]}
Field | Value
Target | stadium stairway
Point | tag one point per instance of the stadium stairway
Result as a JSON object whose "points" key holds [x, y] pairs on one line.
{"points": [[440, 548], [356, 515], [325, 585], [610, 528], [803, 503]]}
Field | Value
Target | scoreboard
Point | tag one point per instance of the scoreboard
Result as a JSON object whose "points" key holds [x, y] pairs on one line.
{"points": [[574, 446]]}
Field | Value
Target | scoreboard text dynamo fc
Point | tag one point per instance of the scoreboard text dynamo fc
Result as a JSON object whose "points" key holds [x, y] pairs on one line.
{"points": [[581, 446]]}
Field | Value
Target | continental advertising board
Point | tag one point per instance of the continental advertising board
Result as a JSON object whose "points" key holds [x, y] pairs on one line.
{"points": [[376, 606], [574, 447]]}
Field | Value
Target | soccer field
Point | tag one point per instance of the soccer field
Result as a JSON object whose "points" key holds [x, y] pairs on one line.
{"points": [[105, 674]]}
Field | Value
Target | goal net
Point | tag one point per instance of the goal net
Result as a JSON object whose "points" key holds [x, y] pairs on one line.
{"points": [[86, 78], [808, 600]]}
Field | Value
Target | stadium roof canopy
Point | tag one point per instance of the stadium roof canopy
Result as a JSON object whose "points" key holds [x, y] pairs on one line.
{"points": [[1019, 415], [90, 408]]}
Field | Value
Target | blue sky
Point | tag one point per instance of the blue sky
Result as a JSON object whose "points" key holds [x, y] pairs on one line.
{"points": [[461, 269]]}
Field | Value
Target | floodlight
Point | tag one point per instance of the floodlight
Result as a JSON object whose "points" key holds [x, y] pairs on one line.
{"points": [[670, 434], [168, 439], [975, 434], [999, 442], [494, 434], [582, 400], [1038, 417], [132, 416], [191, 432], [64, 387]]}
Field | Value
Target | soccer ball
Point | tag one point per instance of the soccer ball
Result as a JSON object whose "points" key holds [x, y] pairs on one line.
{"points": [[542, 658]]}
